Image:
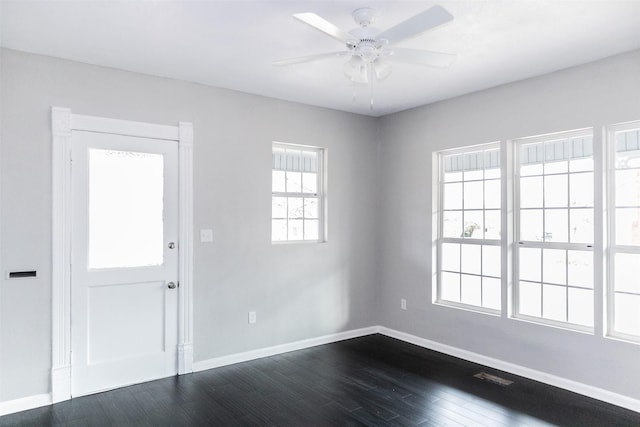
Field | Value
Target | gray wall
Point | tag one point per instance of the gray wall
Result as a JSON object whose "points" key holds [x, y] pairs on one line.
{"points": [[379, 192], [605, 92], [299, 291]]}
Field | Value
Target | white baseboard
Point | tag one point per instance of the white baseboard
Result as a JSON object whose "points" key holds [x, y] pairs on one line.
{"points": [[282, 348], [36, 401], [543, 377], [185, 359], [30, 402], [61, 383]]}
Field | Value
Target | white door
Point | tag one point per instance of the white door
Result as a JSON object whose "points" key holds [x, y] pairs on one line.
{"points": [[124, 257]]}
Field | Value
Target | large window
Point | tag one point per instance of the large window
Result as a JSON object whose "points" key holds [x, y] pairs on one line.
{"points": [[554, 228], [571, 242], [469, 239], [624, 289], [297, 202]]}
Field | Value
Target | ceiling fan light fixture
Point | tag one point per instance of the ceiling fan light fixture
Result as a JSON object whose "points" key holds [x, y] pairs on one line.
{"points": [[381, 69], [356, 70]]}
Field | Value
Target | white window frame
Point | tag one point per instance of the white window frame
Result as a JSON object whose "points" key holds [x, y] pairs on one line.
{"points": [[613, 248], [320, 194], [440, 239], [518, 243]]}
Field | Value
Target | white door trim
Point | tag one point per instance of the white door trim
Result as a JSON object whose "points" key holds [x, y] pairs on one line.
{"points": [[63, 122]]}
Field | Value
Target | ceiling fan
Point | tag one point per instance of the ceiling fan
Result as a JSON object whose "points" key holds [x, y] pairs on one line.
{"points": [[370, 49]]}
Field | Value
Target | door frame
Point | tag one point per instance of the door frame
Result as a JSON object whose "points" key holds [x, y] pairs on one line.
{"points": [[63, 122]]}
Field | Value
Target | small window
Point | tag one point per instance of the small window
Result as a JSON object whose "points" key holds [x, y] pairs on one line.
{"points": [[297, 197], [624, 287], [555, 229], [469, 251]]}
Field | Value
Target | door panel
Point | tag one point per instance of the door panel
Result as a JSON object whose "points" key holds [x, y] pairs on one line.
{"points": [[124, 314]]}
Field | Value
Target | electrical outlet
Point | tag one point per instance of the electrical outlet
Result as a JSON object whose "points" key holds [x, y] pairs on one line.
{"points": [[252, 317], [403, 304], [206, 235]]}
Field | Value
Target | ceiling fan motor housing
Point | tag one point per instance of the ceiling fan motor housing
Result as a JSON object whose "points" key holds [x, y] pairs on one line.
{"points": [[365, 43], [365, 16]]}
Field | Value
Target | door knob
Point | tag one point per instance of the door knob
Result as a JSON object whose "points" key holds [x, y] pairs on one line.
{"points": [[171, 285], [172, 245]]}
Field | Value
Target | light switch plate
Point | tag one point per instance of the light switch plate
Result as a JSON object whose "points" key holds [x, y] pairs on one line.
{"points": [[206, 235]]}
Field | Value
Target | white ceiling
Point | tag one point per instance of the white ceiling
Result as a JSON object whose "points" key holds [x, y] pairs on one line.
{"points": [[231, 44]]}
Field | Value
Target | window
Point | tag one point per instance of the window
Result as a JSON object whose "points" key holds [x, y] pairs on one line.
{"points": [[554, 229], [297, 202], [624, 286], [469, 233]]}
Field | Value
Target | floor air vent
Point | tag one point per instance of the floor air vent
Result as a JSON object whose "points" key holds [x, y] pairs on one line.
{"points": [[493, 379]]}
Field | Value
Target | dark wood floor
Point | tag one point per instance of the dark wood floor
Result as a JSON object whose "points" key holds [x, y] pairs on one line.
{"points": [[373, 380]]}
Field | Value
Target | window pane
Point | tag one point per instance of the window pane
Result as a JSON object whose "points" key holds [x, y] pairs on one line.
{"points": [[580, 268], [492, 224], [556, 225], [453, 196], [578, 165], [531, 192], [451, 256], [294, 160], [533, 169], [530, 299], [492, 194], [294, 182], [491, 263], [452, 176], [627, 226], [450, 289], [295, 207], [492, 173], [627, 270], [627, 314], [126, 224], [556, 167], [491, 293], [554, 266], [472, 175], [279, 229], [471, 260], [310, 183], [556, 191], [473, 197], [471, 290], [279, 207], [628, 187], [554, 302], [473, 224], [581, 190], [452, 224], [581, 306], [278, 181], [310, 207], [581, 226], [295, 229], [531, 225], [530, 264], [311, 229]]}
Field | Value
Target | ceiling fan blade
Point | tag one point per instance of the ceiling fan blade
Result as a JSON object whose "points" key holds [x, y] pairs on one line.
{"points": [[422, 57], [310, 58], [430, 18], [324, 26]]}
